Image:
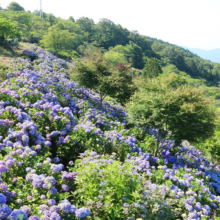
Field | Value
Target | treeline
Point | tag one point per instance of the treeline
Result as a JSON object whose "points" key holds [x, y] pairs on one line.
{"points": [[69, 38]]}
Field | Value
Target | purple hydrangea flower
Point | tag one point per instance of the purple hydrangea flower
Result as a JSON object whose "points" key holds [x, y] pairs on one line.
{"points": [[26, 209], [57, 160], [5, 211], [34, 217], [3, 187], [19, 164], [29, 197], [3, 168], [73, 209], [43, 207], [15, 213], [2, 199], [65, 188], [51, 202], [37, 183], [66, 207], [55, 209], [82, 213], [13, 194], [55, 216], [9, 163], [43, 197], [53, 190], [48, 143]]}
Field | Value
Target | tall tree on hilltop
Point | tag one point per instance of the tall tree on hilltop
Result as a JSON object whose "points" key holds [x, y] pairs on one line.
{"points": [[71, 19], [87, 25], [14, 6]]}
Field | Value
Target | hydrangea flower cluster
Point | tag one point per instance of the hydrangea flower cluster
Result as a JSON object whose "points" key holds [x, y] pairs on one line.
{"points": [[30, 53]]}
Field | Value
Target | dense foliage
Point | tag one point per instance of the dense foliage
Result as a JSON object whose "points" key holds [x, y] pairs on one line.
{"points": [[13, 6], [152, 68], [7, 29], [95, 72], [183, 111], [48, 121]]}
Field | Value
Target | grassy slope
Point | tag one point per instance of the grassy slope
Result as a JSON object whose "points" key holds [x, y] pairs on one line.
{"points": [[7, 54]]}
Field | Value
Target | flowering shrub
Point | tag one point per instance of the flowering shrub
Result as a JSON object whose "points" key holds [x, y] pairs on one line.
{"points": [[141, 188], [30, 53], [47, 121], [112, 190]]}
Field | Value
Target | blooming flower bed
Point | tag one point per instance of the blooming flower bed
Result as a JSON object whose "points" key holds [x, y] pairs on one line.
{"points": [[47, 121]]}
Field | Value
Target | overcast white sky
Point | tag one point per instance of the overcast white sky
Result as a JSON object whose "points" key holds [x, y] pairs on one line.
{"points": [[190, 23]]}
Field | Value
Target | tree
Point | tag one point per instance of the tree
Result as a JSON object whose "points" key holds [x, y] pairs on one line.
{"points": [[51, 19], [22, 20], [135, 55], [14, 6], [126, 87], [107, 34], [174, 55], [184, 111], [115, 57], [57, 39], [87, 25], [141, 41], [8, 29], [71, 19], [152, 68], [96, 73], [38, 29]]}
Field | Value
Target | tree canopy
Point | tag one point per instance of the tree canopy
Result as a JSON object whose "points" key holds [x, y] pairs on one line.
{"points": [[96, 73], [57, 39], [14, 6], [152, 68], [7, 29], [184, 111]]}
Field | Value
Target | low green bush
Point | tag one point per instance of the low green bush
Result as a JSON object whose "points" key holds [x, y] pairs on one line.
{"points": [[115, 190]]}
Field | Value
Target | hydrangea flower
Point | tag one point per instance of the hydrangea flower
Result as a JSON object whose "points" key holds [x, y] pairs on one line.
{"points": [[51, 202], [5, 211], [82, 213]]}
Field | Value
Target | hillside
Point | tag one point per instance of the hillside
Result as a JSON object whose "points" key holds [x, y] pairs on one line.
{"points": [[61, 151], [69, 150], [8, 54]]}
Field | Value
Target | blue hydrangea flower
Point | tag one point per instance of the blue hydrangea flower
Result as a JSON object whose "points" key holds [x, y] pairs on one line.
{"points": [[82, 213], [2, 199]]}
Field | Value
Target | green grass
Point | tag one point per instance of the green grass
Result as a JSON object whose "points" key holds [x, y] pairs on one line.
{"points": [[7, 54]]}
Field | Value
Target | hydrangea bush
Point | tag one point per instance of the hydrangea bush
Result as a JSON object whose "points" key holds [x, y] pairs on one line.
{"points": [[48, 121], [30, 54]]}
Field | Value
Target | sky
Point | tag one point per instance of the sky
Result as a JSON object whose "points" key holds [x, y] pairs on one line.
{"points": [[189, 23]]}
